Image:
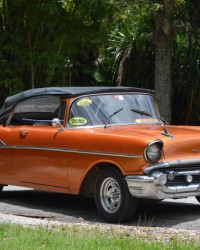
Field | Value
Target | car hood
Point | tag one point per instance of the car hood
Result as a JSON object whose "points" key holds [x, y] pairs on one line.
{"points": [[180, 142], [185, 143], [155, 130], [149, 131]]}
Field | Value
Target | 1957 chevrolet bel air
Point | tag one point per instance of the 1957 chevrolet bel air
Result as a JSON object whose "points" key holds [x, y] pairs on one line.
{"points": [[106, 142]]}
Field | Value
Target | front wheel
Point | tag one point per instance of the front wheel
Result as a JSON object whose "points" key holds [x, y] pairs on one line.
{"points": [[113, 199]]}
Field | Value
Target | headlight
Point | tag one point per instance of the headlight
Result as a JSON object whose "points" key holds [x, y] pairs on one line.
{"points": [[153, 151]]}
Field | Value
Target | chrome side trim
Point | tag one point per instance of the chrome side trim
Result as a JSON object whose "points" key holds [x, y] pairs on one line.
{"points": [[75, 151], [42, 148], [151, 167], [106, 153]]}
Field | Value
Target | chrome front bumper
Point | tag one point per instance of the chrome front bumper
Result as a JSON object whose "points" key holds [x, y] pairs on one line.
{"points": [[143, 186], [173, 179]]}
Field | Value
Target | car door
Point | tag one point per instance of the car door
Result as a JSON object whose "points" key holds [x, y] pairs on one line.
{"points": [[8, 140], [41, 149], [41, 156]]}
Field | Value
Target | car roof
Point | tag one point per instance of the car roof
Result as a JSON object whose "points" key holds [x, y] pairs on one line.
{"points": [[65, 92]]}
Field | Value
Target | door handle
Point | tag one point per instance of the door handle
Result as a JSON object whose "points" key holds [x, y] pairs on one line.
{"points": [[23, 132]]}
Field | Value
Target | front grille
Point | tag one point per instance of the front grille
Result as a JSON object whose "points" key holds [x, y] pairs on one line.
{"points": [[180, 179], [180, 168]]}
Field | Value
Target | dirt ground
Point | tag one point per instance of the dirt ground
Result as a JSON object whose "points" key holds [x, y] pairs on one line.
{"points": [[158, 221]]}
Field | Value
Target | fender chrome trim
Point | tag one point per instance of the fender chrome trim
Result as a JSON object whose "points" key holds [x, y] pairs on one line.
{"points": [[167, 164]]}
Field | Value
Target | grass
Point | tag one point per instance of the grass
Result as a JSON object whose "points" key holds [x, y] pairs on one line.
{"points": [[14, 237]]}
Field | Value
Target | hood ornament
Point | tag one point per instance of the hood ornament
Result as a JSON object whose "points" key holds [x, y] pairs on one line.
{"points": [[166, 133]]}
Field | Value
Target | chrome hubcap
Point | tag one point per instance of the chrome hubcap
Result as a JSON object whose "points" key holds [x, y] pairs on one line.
{"points": [[110, 195]]}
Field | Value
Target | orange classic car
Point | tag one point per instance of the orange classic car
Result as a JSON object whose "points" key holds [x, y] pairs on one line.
{"points": [[106, 142]]}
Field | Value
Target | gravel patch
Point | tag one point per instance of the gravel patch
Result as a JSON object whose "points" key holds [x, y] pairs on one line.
{"points": [[146, 233]]}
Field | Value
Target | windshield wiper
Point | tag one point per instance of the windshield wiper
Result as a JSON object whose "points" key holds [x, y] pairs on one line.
{"points": [[163, 121], [112, 116], [141, 112]]}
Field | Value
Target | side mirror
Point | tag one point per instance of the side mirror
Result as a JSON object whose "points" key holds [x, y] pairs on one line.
{"points": [[56, 123]]}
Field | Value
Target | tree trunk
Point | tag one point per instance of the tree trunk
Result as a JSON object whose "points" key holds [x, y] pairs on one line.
{"points": [[31, 62], [163, 58], [162, 81], [122, 70], [54, 66]]}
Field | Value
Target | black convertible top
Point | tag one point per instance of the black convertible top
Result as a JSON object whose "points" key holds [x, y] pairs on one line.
{"points": [[67, 92]]}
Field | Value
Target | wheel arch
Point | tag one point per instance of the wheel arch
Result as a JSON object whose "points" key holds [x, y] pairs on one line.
{"points": [[88, 183]]}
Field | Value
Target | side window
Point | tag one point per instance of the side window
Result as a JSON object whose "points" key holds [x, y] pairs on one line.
{"points": [[61, 112], [37, 111]]}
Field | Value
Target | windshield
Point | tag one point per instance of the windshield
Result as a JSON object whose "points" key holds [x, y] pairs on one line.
{"points": [[114, 109]]}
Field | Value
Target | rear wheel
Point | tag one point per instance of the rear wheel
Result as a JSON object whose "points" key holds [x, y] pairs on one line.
{"points": [[113, 199]]}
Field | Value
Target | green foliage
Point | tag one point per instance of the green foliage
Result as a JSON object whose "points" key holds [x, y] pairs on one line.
{"points": [[15, 237], [156, 7], [31, 43], [180, 2], [129, 30], [49, 43], [186, 65], [38, 39]]}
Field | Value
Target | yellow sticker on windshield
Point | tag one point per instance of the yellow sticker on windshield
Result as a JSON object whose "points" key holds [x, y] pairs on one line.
{"points": [[77, 121], [84, 102]]}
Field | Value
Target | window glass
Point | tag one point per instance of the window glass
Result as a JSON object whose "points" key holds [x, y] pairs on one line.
{"points": [[37, 111], [114, 109], [39, 104]]}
